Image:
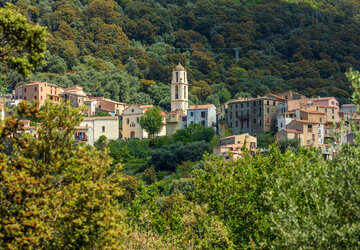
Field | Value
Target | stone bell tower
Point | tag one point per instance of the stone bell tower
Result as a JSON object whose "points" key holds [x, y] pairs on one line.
{"points": [[179, 89]]}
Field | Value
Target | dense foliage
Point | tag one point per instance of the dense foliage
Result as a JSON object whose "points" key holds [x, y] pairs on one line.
{"points": [[126, 50]]}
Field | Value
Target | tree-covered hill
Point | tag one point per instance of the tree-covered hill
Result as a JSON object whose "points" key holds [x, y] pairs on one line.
{"points": [[126, 49]]}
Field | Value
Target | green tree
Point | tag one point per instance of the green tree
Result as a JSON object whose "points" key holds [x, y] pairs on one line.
{"points": [[22, 45], [152, 120], [55, 194]]}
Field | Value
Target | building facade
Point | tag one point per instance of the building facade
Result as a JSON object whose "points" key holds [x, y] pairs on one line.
{"points": [[38, 91], [131, 122], [179, 89], [203, 114], [104, 125], [254, 116]]}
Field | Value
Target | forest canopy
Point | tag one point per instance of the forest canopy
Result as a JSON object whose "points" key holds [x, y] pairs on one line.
{"points": [[112, 47]]}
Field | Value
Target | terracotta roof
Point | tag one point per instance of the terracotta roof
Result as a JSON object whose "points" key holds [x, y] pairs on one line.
{"points": [[291, 131], [101, 118], [163, 113], [326, 106], [277, 96], [323, 98], [206, 106], [145, 107], [311, 111], [348, 105], [304, 121]]}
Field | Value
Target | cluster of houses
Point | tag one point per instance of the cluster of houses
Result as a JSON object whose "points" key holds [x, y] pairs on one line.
{"points": [[290, 114]]}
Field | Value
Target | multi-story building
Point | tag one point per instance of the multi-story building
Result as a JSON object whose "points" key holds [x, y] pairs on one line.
{"points": [[204, 114], [221, 119], [290, 95], [254, 116], [131, 122], [230, 148], [174, 122], [104, 125], [348, 108], [38, 91], [90, 107], [75, 95], [306, 131], [331, 112], [107, 105]]}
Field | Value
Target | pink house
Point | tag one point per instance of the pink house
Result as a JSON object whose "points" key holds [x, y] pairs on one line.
{"points": [[326, 101]]}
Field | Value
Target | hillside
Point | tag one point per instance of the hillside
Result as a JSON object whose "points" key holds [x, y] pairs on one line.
{"points": [[125, 49]]}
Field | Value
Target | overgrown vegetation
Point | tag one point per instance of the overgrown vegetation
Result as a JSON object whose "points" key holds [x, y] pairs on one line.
{"points": [[125, 50]]}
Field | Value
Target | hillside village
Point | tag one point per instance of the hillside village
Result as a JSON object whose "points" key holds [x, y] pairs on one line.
{"points": [[289, 114]]}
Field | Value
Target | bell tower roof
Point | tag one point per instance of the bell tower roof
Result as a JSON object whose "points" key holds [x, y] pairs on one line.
{"points": [[179, 67]]}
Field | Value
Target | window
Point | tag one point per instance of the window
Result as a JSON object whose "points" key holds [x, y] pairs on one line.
{"points": [[254, 103], [274, 103], [268, 120], [320, 119], [267, 110], [237, 124], [230, 124], [41, 89], [41, 97], [333, 111], [137, 119], [259, 111], [247, 123], [176, 92], [310, 128], [24, 97], [317, 107], [333, 117], [230, 115], [24, 90], [319, 131], [35, 97], [127, 121], [202, 114], [230, 106], [191, 113], [325, 110], [242, 123], [236, 106], [267, 103], [203, 123], [177, 76], [259, 103], [281, 125], [247, 104], [50, 91], [103, 129], [236, 114], [184, 91], [260, 122], [241, 105], [35, 89], [332, 103], [254, 121], [254, 111]]}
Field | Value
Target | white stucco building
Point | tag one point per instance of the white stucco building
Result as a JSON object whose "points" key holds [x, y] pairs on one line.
{"points": [[103, 125], [204, 114]]}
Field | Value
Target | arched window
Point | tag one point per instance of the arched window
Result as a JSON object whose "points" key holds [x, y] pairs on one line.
{"points": [[176, 91], [177, 76]]}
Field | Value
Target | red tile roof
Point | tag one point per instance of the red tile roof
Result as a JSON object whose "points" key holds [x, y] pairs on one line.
{"points": [[304, 121], [312, 111], [206, 106], [277, 96], [326, 106], [163, 113], [348, 105], [323, 98]]}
